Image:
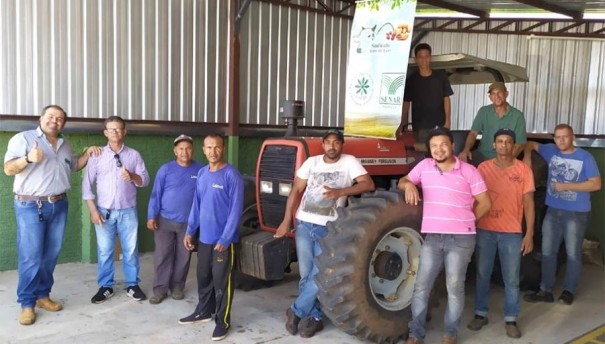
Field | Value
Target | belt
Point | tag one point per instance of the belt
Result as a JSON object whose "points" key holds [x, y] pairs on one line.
{"points": [[49, 199]]}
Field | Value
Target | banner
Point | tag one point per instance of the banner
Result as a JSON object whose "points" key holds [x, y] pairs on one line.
{"points": [[379, 51]]}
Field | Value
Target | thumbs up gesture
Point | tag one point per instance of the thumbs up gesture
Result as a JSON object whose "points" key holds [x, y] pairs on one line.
{"points": [[126, 174], [35, 154]]}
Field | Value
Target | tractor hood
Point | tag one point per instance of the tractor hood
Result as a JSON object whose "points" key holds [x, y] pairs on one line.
{"points": [[465, 69]]}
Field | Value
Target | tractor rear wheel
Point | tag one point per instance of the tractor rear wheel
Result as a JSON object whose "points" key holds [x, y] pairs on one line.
{"points": [[368, 266]]}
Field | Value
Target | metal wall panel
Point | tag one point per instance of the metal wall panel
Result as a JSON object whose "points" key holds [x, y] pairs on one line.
{"points": [[169, 59], [567, 82], [288, 53], [139, 59]]}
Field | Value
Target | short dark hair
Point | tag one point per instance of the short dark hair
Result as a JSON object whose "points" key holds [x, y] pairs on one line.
{"points": [[53, 106], [115, 119], [438, 131], [422, 46], [215, 136]]}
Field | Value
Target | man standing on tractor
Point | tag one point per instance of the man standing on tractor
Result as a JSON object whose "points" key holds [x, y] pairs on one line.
{"points": [[428, 93], [454, 197], [510, 184], [500, 114], [324, 181]]}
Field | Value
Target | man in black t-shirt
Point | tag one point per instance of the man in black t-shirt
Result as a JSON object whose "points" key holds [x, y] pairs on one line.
{"points": [[429, 93]]}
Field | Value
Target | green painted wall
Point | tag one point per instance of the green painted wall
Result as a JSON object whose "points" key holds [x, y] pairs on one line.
{"points": [[80, 240]]}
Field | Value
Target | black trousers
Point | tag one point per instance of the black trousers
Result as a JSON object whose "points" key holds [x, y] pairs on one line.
{"points": [[214, 282]]}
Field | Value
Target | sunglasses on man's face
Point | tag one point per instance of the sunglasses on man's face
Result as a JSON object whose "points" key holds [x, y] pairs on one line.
{"points": [[117, 159]]}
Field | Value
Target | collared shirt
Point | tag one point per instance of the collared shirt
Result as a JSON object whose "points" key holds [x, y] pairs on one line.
{"points": [[48, 177], [487, 122], [448, 197], [506, 187], [103, 172]]}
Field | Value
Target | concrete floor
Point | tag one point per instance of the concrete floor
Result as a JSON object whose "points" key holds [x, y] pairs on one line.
{"points": [[258, 316]]}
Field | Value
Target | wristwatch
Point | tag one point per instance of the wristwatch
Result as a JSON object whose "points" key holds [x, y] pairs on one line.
{"points": [[27, 160]]}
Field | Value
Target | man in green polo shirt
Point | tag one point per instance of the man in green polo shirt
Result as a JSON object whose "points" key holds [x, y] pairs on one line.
{"points": [[490, 118]]}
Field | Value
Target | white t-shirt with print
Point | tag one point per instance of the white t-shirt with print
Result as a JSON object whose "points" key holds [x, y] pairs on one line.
{"points": [[314, 207]]}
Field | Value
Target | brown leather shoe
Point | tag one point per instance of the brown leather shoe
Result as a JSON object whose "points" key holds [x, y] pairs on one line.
{"points": [[49, 305], [27, 316], [412, 340], [448, 340]]}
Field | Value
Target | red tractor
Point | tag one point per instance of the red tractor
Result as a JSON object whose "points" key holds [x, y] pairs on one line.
{"points": [[370, 256]]}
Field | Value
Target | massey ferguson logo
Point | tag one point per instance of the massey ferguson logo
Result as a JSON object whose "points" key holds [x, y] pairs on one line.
{"points": [[390, 86]]}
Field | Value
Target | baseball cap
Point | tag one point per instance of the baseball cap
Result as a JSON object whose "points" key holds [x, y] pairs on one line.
{"points": [[336, 132], [183, 137], [505, 131], [497, 85]]}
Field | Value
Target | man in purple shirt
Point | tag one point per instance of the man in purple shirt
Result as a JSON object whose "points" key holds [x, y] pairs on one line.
{"points": [[116, 173], [167, 215]]}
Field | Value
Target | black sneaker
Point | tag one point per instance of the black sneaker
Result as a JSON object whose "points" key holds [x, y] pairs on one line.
{"points": [[477, 323], [195, 317], [292, 321], [102, 295], [220, 333], [309, 326], [541, 296], [566, 297], [135, 293]]}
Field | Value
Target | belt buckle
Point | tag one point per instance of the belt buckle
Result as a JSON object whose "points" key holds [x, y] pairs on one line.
{"points": [[50, 199]]}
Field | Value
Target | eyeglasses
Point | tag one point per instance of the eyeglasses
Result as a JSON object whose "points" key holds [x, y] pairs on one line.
{"points": [[117, 159], [115, 130]]}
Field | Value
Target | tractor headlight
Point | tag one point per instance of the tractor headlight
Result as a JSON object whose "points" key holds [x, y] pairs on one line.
{"points": [[285, 188], [266, 187]]}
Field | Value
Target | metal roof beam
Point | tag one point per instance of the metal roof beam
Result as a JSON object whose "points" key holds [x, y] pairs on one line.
{"points": [[553, 8], [456, 8], [586, 28]]}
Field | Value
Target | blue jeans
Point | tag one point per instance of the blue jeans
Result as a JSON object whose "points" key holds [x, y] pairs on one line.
{"points": [[508, 246], [39, 244], [308, 236], [568, 226], [124, 224], [454, 252]]}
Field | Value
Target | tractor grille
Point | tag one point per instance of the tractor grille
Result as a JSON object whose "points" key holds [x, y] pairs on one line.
{"points": [[277, 164]]}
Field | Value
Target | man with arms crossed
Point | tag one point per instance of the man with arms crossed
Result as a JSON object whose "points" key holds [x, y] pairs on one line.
{"points": [[454, 197], [325, 181]]}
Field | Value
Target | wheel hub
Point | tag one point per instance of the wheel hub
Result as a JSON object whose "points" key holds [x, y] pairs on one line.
{"points": [[388, 265]]}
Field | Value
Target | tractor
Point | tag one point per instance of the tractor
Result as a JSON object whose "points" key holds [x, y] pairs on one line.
{"points": [[370, 256]]}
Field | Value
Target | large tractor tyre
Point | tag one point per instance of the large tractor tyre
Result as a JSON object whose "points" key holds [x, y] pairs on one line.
{"points": [[368, 266]]}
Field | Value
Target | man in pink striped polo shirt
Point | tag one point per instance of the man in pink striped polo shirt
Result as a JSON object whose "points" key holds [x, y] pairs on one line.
{"points": [[454, 197]]}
